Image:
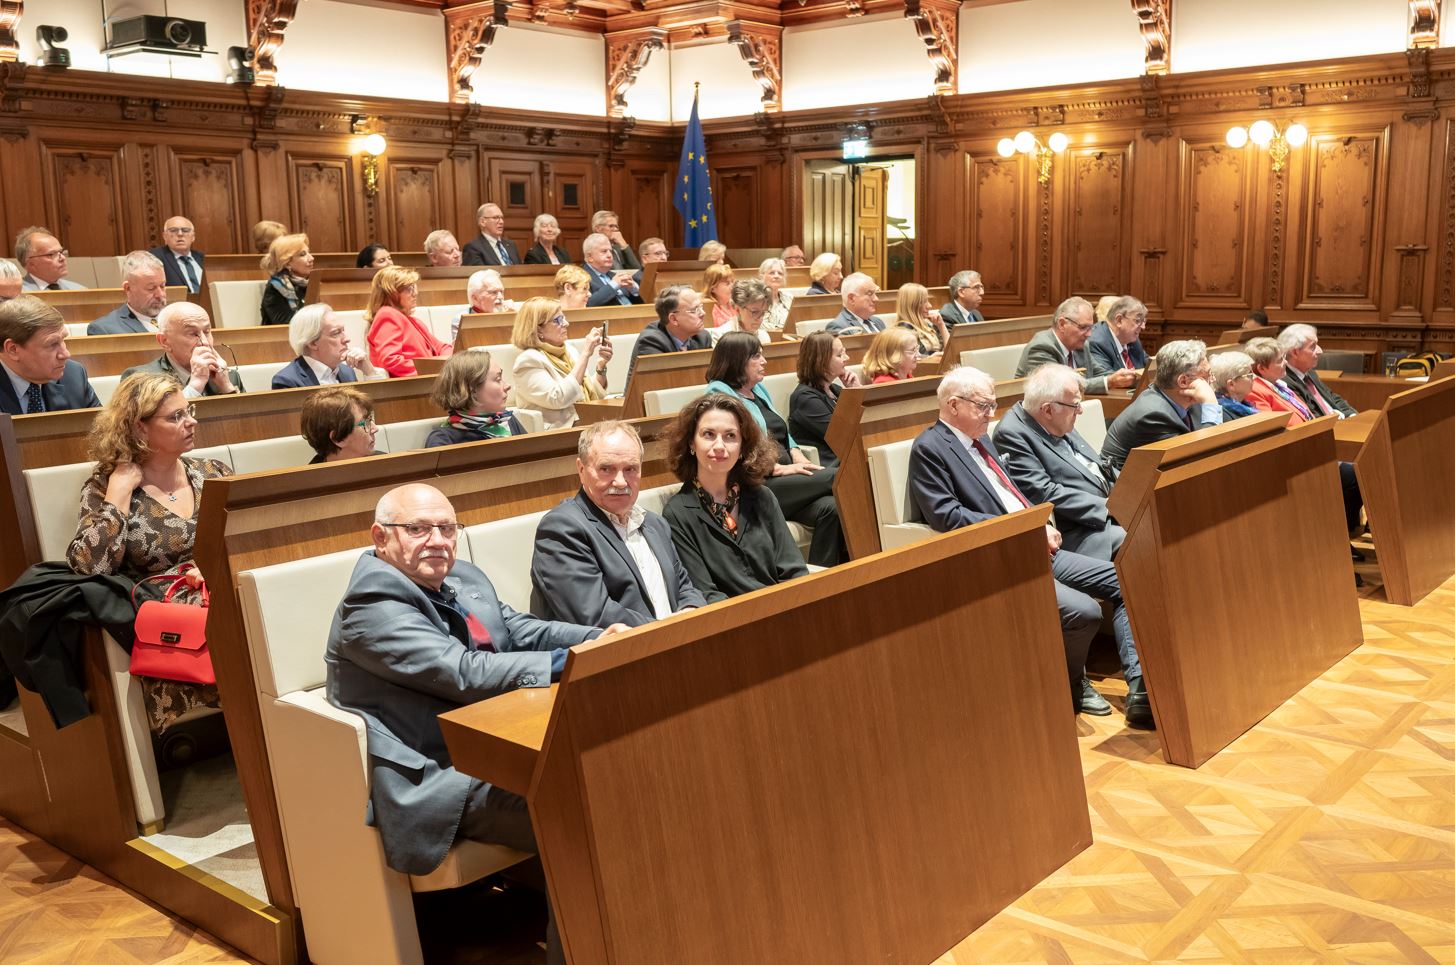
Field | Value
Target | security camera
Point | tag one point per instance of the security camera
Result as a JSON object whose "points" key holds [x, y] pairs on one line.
{"points": [[47, 36], [239, 62]]}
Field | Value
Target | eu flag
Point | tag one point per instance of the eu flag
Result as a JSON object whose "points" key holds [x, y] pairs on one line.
{"points": [[693, 197]]}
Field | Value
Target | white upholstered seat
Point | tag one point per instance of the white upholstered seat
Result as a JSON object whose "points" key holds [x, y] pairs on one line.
{"points": [[236, 303], [900, 522], [998, 361], [258, 377], [1091, 423]]}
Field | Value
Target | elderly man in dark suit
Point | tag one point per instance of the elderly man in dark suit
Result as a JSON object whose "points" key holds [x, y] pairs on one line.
{"points": [[599, 557], [966, 292], [490, 246], [144, 283], [678, 327], [43, 258], [325, 356], [859, 293], [188, 354], [956, 479], [419, 633], [1064, 343], [1180, 400], [609, 286], [38, 373], [181, 262], [1116, 344], [1300, 344]]}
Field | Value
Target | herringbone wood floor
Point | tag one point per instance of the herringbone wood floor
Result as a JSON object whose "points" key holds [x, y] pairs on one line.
{"points": [[1325, 834]]}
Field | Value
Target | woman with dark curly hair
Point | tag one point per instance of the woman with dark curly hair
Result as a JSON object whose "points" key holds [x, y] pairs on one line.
{"points": [[726, 524]]}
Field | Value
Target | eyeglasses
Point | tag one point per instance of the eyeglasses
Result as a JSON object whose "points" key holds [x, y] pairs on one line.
{"points": [[422, 530], [176, 418], [984, 407], [559, 321], [699, 311], [179, 231], [1070, 405], [58, 253], [368, 423]]}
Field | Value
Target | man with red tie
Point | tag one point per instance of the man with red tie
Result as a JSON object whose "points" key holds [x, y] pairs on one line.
{"points": [[1064, 343], [956, 479], [1300, 344], [1116, 344]]}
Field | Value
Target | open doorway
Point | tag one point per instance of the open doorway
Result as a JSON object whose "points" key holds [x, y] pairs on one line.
{"points": [[864, 211]]}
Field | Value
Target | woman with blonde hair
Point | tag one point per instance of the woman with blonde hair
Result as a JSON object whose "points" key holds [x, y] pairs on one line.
{"points": [[265, 233], [717, 291], [915, 314], [714, 251], [573, 287], [396, 337], [551, 376], [139, 508], [826, 272], [288, 264], [892, 356], [471, 390]]}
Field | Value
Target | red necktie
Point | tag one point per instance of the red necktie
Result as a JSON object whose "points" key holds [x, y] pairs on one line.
{"points": [[1127, 358], [999, 472], [1318, 397]]}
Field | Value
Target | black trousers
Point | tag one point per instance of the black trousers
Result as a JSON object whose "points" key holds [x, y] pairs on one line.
{"points": [[810, 500]]}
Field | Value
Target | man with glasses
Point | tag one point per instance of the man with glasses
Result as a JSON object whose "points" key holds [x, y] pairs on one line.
{"points": [[1064, 343], [188, 354], [966, 292], [37, 373], [144, 283], [419, 632], [859, 292], [678, 327], [490, 247], [182, 262], [956, 479], [1116, 344], [43, 259], [622, 257]]}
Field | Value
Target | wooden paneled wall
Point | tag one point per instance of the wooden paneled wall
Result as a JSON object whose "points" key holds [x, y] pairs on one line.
{"points": [[1356, 233]]}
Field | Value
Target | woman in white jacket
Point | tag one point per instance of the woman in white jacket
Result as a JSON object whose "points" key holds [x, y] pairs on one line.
{"points": [[551, 376]]}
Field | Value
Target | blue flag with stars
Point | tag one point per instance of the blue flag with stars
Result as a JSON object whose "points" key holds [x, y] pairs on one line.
{"points": [[693, 197]]}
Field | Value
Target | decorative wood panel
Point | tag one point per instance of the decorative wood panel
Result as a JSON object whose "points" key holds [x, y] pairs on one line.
{"points": [[571, 195], [84, 198], [736, 199], [1345, 200], [514, 183], [207, 189], [414, 198], [1097, 257], [1215, 201], [646, 206], [998, 207], [321, 193]]}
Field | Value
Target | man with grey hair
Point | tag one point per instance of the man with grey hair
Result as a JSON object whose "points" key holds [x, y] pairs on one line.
{"points": [[181, 261], [966, 292], [1064, 343], [1300, 344], [43, 259], [486, 292], [1116, 344], [144, 282], [599, 557], [325, 356], [1180, 401], [442, 250], [859, 292], [491, 247], [956, 479], [609, 286], [188, 354], [622, 256], [11, 279], [420, 632]]}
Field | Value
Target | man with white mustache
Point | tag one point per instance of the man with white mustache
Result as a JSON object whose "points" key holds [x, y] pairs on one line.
{"points": [[599, 557], [419, 633]]}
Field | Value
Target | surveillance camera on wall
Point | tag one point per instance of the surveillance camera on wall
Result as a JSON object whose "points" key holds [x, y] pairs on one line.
{"points": [[47, 36], [240, 65]]}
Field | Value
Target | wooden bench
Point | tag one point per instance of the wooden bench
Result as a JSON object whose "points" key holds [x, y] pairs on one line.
{"points": [[114, 354], [89, 304]]}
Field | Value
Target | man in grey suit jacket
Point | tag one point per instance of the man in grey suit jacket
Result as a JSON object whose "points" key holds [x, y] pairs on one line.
{"points": [[1116, 344], [1180, 400], [188, 354], [599, 557], [419, 633], [1064, 343], [42, 257], [1300, 344], [858, 292], [966, 292], [145, 285]]}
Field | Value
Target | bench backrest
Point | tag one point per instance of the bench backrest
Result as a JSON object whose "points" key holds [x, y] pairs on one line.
{"points": [[236, 303], [999, 362]]}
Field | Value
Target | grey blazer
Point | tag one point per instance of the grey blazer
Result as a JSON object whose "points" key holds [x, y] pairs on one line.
{"points": [[847, 319], [163, 364], [391, 659], [1046, 473], [582, 572], [119, 321], [1151, 417], [1046, 348]]}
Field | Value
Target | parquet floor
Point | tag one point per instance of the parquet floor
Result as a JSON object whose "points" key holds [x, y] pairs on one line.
{"points": [[1325, 834]]}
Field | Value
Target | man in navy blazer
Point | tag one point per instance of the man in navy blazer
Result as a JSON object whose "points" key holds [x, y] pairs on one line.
{"points": [[966, 292], [490, 246], [1116, 344], [609, 286], [1180, 400], [181, 262], [599, 557], [145, 286], [678, 327], [325, 356], [419, 633], [859, 293], [956, 479], [36, 371]]}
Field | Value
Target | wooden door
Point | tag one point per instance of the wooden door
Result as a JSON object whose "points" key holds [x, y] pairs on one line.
{"points": [[828, 206], [869, 212], [571, 197]]}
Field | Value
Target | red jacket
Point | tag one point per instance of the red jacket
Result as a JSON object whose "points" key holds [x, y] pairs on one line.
{"points": [[1264, 398], [397, 339]]}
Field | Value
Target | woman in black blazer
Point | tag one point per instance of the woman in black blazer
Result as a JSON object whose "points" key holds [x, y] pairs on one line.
{"points": [[545, 251], [726, 524], [471, 388], [822, 366]]}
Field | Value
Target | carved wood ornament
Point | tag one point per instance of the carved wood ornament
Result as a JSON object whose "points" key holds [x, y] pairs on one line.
{"points": [[761, 47], [626, 54], [938, 25], [1424, 23], [1155, 18], [468, 34], [10, 11], [267, 19]]}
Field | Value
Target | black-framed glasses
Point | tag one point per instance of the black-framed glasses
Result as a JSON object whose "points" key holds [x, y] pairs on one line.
{"points": [[422, 530], [985, 407], [175, 418], [179, 231], [58, 253], [1077, 405]]}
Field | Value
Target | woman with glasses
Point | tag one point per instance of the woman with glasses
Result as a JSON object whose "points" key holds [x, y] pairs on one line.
{"points": [[892, 356], [139, 507], [1232, 377], [338, 423], [916, 315], [396, 337], [773, 273], [805, 490], [551, 376], [472, 390], [750, 300]]}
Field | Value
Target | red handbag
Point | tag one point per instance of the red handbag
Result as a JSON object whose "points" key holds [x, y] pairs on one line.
{"points": [[171, 638]]}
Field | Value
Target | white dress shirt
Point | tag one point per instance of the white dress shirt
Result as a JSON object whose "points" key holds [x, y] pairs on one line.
{"points": [[647, 563], [1007, 498]]}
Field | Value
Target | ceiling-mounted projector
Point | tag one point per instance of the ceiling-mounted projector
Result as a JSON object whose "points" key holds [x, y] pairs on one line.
{"points": [[158, 35]]}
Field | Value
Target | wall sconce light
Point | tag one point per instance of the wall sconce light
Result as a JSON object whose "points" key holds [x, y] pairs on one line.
{"points": [[1027, 143], [373, 146], [1279, 139], [48, 38]]}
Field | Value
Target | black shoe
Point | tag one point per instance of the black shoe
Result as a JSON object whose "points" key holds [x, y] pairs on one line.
{"points": [[1088, 701], [1139, 707], [1357, 556]]}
